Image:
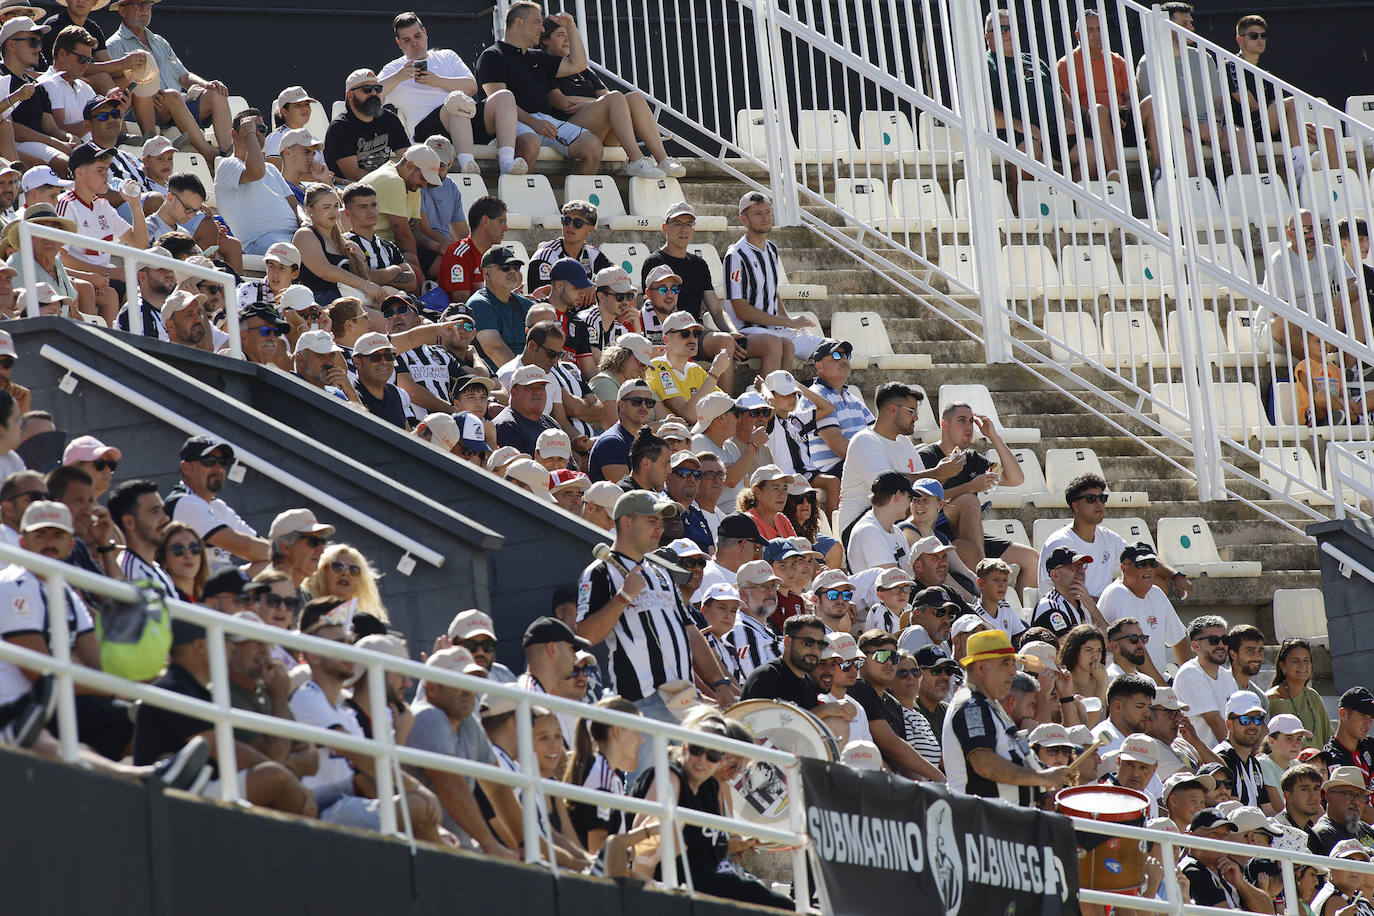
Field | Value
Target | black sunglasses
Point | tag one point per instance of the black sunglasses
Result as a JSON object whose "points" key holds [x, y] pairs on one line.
{"points": [[1212, 640], [1094, 498], [623, 297], [694, 333], [180, 550], [478, 645], [688, 473], [272, 599], [581, 671], [1138, 639], [641, 402], [215, 461], [576, 222], [388, 311], [28, 494], [696, 750], [809, 642], [315, 540], [372, 89], [1146, 564], [104, 464], [7, 362], [1256, 36], [693, 563]]}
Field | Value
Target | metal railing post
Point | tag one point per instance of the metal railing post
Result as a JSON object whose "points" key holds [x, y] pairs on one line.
{"points": [[30, 268], [796, 820], [62, 650], [970, 78], [777, 116], [667, 821], [383, 734], [225, 751], [529, 795], [1175, 890]]}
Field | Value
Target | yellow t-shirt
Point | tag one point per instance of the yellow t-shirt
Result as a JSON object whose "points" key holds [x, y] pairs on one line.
{"points": [[392, 197], [667, 383]]}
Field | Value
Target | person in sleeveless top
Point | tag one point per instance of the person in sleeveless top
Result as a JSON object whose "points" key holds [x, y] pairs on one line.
{"points": [[327, 258]]}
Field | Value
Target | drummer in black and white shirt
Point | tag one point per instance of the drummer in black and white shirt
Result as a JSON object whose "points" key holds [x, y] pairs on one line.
{"points": [[983, 754]]}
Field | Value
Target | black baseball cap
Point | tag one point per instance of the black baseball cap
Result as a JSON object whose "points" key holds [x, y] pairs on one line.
{"points": [[200, 446], [1138, 553], [228, 581], [931, 596], [891, 482], [456, 310], [1063, 556], [87, 153], [97, 103], [551, 629], [501, 256], [1358, 699], [183, 632], [1208, 818], [262, 310], [933, 656], [740, 527], [829, 346]]}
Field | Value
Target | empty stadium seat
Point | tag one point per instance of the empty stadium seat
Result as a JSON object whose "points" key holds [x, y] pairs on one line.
{"points": [[864, 201], [629, 256], [1131, 338], [1300, 613], [872, 347], [1231, 259], [708, 254], [824, 136], [1334, 193], [1076, 330], [1201, 199], [1292, 474], [1042, 528], [1007, 497], [1031, 272], [319, 121], [1064, 464], [1247, 339], [518, 249], [1088, 271], [528, 198], [1187, 545], [1346, 465], [940, 143], [470, 186], [601, 192], [927, 427], [1008, 528], [1263, 200], [980, 399], [651, 197], [1213, 347], [1133, 530], [957, 260], [1239, 413], [1113, 193], [995, 190], [1041, 205], [919, 205], [886, 136], [1361, 108], [1030, 597], [750, 134], [196, 165], [1148, 272]]}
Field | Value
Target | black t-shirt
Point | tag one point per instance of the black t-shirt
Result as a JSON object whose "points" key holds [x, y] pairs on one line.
{"points": [[1338, 755], [975, 464], [775, 681], [59, 21], [159, 732], [879, 708], [585, 85], [30, 111], [1207, 887], [695, 274], [388, 407], [373, 142], [529, 75]]}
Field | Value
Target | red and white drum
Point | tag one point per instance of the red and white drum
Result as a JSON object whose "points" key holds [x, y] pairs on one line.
{"points": [[1107, 863]]}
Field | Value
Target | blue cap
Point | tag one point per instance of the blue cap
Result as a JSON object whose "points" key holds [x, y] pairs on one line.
{"points": [[779, 549], [924, 486], [570, 271]]}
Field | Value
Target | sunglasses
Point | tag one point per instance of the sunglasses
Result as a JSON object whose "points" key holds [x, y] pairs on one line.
{"points": [[315, 540], [388, 311], [272, 599], [1256, 36], [373, 89], [262, 130], [623, 297], [552, 353], [215, 461], [83, 59], [757, 413], [883, 656], [665, 290], [810, 643], [841, 354], [1146, 564], [1004, 29], [582, 671], [465, 326], [32, 41], [941, 612], [576, 222], [694, 333], [338, 567], [1136, 639], [1224, 783], [7, 362], [269, 330], [103, 116], [476, 645], [847, 666], [696, 750], [1211, 640], [641, 402], [692, 563], [1250, 720], [687, 473], [104, 464], [1094, 498], [837, 594], [180, 550], [907, 673], [29, 495], [712, 475]]}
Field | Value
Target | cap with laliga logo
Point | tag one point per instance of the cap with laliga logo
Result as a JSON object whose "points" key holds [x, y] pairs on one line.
{"points": [[614, 279], [442, 429], [553, 443], [470, 623], [721, 591], [46, 513], [427, 161], [680, 321], [660, 274], [755, 573]]}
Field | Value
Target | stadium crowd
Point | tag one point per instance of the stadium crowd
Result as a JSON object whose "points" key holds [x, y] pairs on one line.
{"points": [[779, 540]]}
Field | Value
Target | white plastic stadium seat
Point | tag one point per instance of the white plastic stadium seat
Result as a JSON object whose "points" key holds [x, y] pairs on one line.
{"points": [[630, 256], [1007, 497], [872, 347], [1187, 545], [980, 399], [811, 317], [927, 427], [886, 136], [1031, 272], [939, 143], [1131, 338], [1064, 464], [1030, 597], [1042, 528], [337, 109], [195, 164], [1075, 329], [1333, 194], [803, 291], [1147, 271], [1213, 347], [1292, 473], [1361, 108], [708, 254], [651, 197], [958, 261], [1247, 339], [1239, 412], [993, 189], [1088, 271], [601, 192], [824, 136], [1043, 206], [1133, 530], [528, 197], [863, 200], [750, 133], [920, 205], [1300, 613], [319, 121], [1226, 256], [1009, 528], [518, 249], [1201, 195], [1356, 464], [1262, 200], [471, 187]]}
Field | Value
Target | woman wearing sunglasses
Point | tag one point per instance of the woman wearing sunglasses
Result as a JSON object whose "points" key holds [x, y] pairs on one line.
{"points": [[95, 458], [327, 258], [692, 772], [182, 554], [345, 573]]}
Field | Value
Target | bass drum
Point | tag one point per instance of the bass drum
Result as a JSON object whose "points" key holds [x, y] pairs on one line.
{"points": [[759, 793]]}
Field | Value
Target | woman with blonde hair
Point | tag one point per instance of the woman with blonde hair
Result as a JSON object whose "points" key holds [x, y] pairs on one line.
{"points": [[345, 573], [327, 258]]}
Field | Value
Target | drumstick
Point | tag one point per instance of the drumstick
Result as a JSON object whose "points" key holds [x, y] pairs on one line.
{"points": [[1098, 742]]}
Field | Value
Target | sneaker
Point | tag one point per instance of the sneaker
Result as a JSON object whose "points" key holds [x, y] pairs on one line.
{"points": [[518, 167], [643, 167], [181, 142], [672, 168], [472, 168], [23, 730], [182, 769]]}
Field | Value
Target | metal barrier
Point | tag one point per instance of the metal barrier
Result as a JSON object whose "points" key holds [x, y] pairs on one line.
{"points": [[132, 257], [1150, 292], [387, 755]]}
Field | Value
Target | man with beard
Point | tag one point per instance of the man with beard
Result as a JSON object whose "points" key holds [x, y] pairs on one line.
{"points": [[1127, 645], [832, 598], [932, 616], [394, 688], [365, 135], [1244, 728], [887, 446], [1203, 683], [422, 372], [205, 464], [144, 316], [9, 192], [1245, 652], [260, 683], [1346, 791], [753, 636], [886, 721], [1128, 705], [320, 362], [551, 649], [1137, 595], [183, 317], [788, 677], [137, 511], [937, 669]]}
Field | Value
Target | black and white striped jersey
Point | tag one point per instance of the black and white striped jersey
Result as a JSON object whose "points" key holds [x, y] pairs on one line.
{"points": [[756, 642]]}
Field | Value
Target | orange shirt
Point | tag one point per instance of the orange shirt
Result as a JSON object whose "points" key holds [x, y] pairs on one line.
{"points": [[1102, 89], [779, 527], [1326, 377]]}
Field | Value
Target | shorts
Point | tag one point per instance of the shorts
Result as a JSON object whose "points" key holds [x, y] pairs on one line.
{"points": [[192, 105], [1070, 140], [568, 133], [803, 342], [355, 811], [37, 150], [993, 545], [432, 124], [211, 789]]}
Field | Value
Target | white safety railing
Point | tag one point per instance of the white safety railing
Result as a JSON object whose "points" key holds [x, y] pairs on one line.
{"points": [[1147, 302], [410, 547], [388, 757], [133, 258]]}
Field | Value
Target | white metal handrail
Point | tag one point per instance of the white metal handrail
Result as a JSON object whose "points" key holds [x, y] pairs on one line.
{"points": [[408, 545], [132, 257], [382, 747]]}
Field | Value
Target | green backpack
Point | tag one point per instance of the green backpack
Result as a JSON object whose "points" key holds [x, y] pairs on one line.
{"points": [[135, 638]]}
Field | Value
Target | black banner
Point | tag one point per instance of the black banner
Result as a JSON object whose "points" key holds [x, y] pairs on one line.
{"points": [[884, 843]]}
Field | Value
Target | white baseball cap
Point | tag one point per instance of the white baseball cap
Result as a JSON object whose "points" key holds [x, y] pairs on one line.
{"points": [[721, 591], [41, 176], [300, 137], [370, 343], [157, 145], [291, 95], [296, 297], [426, 160], [470, 623], [317, 341], [553, 443], [781, 382], [284, 253]]}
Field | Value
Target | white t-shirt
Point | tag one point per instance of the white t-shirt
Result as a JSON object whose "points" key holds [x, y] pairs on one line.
{"points": [[272, 145], [11, 463], [415, 101], [870, 545], [858, 726], [1006, 619], [100, 220], [1105, 549], [1203, 694], [310, 706], [869, 455], [68, 99], [507, 372], [24, 609], [205, 518], [713, 574], [1156, 615], [254, 208]]}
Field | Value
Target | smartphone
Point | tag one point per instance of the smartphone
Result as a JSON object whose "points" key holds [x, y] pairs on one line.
{"points": [[421, 65]]}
